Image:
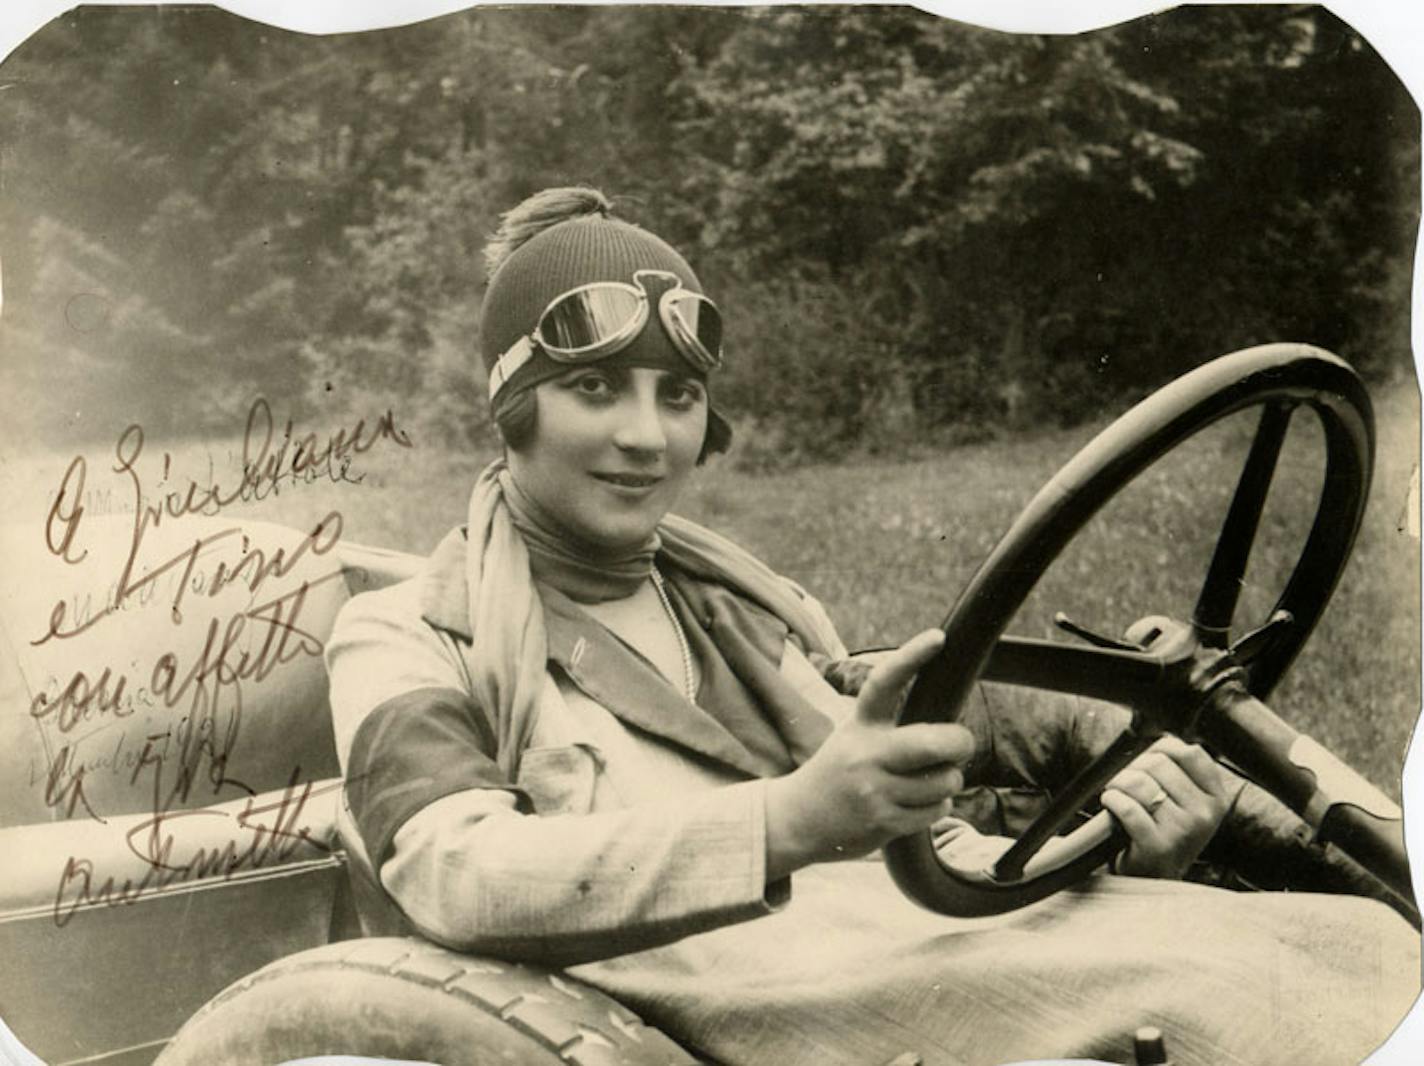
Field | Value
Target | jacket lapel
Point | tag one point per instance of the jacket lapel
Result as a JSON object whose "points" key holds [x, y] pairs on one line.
{"points": [[598, 664], [746, 642], [631, 689]]}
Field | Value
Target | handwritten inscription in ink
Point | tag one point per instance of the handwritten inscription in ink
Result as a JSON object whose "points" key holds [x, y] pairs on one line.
{"points": [[162, 714]]}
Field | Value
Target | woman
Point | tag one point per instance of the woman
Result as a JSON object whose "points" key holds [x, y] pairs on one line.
{"points": [[593, 734]]}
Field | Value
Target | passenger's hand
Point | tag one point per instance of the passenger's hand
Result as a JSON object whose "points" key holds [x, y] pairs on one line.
{"points": [[1170, 800], [871, 781]]}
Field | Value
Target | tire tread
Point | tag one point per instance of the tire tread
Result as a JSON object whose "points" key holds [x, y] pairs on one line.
{"points": [[575, 1022]]}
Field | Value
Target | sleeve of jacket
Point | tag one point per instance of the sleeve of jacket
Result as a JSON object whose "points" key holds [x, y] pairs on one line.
{"points": [[459, 847]]}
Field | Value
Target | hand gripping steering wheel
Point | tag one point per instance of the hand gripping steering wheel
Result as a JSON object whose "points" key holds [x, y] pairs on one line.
{"points": [[1190, 680]]}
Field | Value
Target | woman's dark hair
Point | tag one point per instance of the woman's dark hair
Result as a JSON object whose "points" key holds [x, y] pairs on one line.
{"points": [[517, 417]]}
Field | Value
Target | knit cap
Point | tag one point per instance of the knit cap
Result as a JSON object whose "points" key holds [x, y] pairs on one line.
{"points": [[580, 250]]}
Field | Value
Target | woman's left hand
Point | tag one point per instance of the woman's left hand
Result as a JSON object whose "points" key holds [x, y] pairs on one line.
{"points": [[1170, 800]]}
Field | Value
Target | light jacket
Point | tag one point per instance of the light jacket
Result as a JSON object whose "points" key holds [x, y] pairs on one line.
{"points": [[633, 820]]}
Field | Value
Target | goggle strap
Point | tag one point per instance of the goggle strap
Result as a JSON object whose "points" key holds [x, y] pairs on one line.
{"points": [[509, 363]]}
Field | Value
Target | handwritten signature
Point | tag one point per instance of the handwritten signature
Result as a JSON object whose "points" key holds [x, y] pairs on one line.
{"points": [[260, 841], [201, 681]]}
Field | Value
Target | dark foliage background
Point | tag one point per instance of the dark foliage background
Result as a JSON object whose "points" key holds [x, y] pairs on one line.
{"points": [[920, 231]]}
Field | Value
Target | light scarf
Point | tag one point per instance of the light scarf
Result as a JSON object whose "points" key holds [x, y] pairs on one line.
{"points": [[510, 645], [585, 573]]}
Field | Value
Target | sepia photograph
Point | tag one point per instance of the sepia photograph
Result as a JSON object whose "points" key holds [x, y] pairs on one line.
{"points": [[783, 535]]}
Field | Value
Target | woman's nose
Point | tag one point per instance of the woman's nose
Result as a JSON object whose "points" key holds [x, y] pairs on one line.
{"points": [[641, 426]]}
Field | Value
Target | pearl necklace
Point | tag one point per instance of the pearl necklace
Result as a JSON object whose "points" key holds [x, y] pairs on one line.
{"points": [[689, 680]]}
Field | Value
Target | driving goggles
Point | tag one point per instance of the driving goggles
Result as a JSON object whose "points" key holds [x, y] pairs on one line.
{"points": [[602, 318]]}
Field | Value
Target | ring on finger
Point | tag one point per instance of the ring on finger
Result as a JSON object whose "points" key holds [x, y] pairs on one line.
{"points": [[1156, 801]]}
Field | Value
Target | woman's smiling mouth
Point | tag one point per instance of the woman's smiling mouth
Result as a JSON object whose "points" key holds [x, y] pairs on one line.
{"points": [[629, 481]]}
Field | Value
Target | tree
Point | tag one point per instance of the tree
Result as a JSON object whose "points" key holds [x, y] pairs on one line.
{"points": [[912, 224]]}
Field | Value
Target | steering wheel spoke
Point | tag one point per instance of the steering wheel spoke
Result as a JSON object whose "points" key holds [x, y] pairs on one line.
{"points": [[1118, 675], [1254, 644], [1174, 684], [1216, 604], [1083, 788]]}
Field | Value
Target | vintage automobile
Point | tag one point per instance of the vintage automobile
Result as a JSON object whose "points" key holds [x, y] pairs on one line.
{"points": [[174, 886]]}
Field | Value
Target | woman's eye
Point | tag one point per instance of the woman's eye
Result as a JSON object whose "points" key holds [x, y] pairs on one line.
{"points": [[592, 385], [683, 394]]}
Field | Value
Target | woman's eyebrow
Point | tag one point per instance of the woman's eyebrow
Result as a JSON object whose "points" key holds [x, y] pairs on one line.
{"points": [[573, 373], [678, 377]]}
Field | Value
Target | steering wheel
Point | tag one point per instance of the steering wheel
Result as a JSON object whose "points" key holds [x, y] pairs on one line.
{"points": [[1191, 680]]}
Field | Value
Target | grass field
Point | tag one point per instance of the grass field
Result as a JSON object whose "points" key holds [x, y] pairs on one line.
{"points": [[887, 544]]}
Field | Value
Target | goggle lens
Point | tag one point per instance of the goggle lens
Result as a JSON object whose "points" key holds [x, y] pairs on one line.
{"points": [[588, 317], [596, 320], [703, 322]]}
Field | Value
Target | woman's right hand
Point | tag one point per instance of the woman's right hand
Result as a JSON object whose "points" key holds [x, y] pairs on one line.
{"points": [[871, 781]]}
